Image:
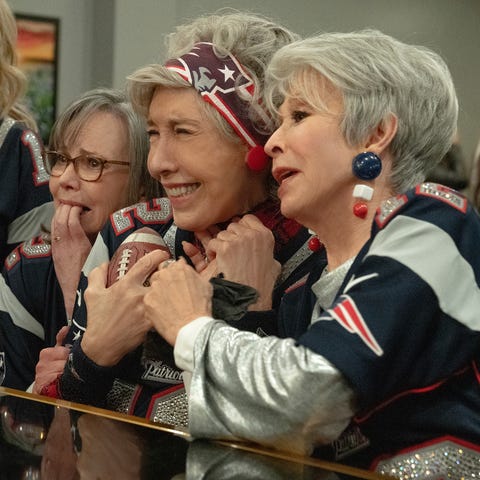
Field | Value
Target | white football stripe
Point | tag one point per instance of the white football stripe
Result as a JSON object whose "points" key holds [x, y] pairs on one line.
{"points": [[18, 313], [98, 255], [431, 253], [145, 237]]}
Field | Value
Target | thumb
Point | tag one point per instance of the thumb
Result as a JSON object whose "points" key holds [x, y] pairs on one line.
{"points": [[140, 272], [98, 276], [60, 337]]}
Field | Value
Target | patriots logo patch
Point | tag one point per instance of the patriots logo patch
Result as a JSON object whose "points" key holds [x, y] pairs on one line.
{"points": [[349, 317]]}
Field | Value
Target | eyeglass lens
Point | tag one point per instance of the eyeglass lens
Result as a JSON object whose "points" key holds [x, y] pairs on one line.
{"points": [[87, 168]]}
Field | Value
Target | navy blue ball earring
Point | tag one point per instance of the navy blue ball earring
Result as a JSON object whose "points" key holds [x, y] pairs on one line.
{"points": [[366, 166]]}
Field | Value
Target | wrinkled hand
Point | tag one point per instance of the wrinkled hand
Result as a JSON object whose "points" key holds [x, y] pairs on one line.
{"points": [[70, 251], [203, 264], [244, 254], [51, 362], [116, 322], [178, 295]]}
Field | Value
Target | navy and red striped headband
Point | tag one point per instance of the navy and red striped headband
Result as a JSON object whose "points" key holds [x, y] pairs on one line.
{"points": [[219, 80]]}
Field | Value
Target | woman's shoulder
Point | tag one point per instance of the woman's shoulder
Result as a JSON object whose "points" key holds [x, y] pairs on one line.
{"points": [[36, 251], [156, 211], [13, 132], [427, 201], [19, 142]]}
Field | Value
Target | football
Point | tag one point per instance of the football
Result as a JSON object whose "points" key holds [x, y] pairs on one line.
{"points": [[134, 247]]}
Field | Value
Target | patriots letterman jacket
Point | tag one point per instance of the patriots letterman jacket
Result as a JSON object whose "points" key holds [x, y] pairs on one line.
{"points": [[390, 368]]}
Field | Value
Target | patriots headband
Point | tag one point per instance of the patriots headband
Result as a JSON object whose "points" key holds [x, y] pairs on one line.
{"points": [[216, 80]]}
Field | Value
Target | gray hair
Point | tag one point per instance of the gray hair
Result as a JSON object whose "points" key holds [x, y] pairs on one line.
{"points": [[70, 122], [250, 38], [377, 76]]}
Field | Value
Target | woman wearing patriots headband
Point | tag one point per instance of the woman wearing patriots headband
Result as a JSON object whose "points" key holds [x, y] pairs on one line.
{"points": [[207, 128]]}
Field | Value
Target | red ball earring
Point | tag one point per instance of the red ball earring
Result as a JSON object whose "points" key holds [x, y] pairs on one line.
{"points": [[363, 192], [314, 244], [257, 159]]}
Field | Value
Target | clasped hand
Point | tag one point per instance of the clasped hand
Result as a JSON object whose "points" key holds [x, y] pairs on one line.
{"points": [[120, 316]]}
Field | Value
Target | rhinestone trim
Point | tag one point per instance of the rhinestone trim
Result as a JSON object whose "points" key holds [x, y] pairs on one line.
{"points": [[441, 461], [171, 408], [294, 261]]}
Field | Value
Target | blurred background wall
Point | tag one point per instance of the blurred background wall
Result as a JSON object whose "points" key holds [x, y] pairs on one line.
{"points": [[102, 41]]}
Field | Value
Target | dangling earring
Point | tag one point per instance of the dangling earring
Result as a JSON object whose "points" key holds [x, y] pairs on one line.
{"points": [[314, 244], [364, 192], [365, 166], [257, 159]]}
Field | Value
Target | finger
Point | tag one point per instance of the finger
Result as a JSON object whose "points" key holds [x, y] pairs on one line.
{"points": [[190, 249], [195, 255], [59, 218], [60, 337], [253, 222], [205, 236], [97, 278], [144, 267], [73, 221]]}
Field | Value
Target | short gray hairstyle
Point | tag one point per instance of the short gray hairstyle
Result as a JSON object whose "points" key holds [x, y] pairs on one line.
{"points": [[70, 122], [250, 38], [377, 76]]}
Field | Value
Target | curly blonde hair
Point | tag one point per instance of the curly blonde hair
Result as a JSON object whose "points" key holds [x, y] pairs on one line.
{"points": [[13, 82]]}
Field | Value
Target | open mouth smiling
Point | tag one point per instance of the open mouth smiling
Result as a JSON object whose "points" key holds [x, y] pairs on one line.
{"points": [[181, 190]]}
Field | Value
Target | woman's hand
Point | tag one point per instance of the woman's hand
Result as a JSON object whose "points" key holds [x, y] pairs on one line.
{"points": [[177, 295], [203, 264], [70, 249], [244, 254], [116, 321], [51, 362]]}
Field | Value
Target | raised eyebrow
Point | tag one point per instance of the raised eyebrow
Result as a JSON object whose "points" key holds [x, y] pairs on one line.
{"points": [[298, 105], [88, 153]]}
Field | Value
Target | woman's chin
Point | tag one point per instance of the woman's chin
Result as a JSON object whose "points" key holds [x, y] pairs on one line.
{"points": [[288, 210], [190, 223]]}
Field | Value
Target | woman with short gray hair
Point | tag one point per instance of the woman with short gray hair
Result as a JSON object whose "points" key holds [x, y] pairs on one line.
{"points": [[383, 374]]}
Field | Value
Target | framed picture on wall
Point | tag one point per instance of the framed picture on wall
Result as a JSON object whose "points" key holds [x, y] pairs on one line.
{"points": [[37, 48]]}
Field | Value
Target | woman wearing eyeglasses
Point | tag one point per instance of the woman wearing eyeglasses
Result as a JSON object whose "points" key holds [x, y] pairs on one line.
{"points": [[97, 164]]}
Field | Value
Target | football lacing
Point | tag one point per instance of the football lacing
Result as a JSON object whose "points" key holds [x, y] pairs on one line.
{"points": [[124, 261]]}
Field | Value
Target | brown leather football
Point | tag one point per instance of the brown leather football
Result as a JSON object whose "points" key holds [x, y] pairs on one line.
{"points": [[134, 247]]}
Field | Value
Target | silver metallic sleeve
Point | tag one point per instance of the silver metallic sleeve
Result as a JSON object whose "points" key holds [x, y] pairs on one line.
{"points": [[266, 390]]}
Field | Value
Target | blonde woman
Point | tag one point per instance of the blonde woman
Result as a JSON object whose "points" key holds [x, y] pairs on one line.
{"points": [[25, 201]]}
